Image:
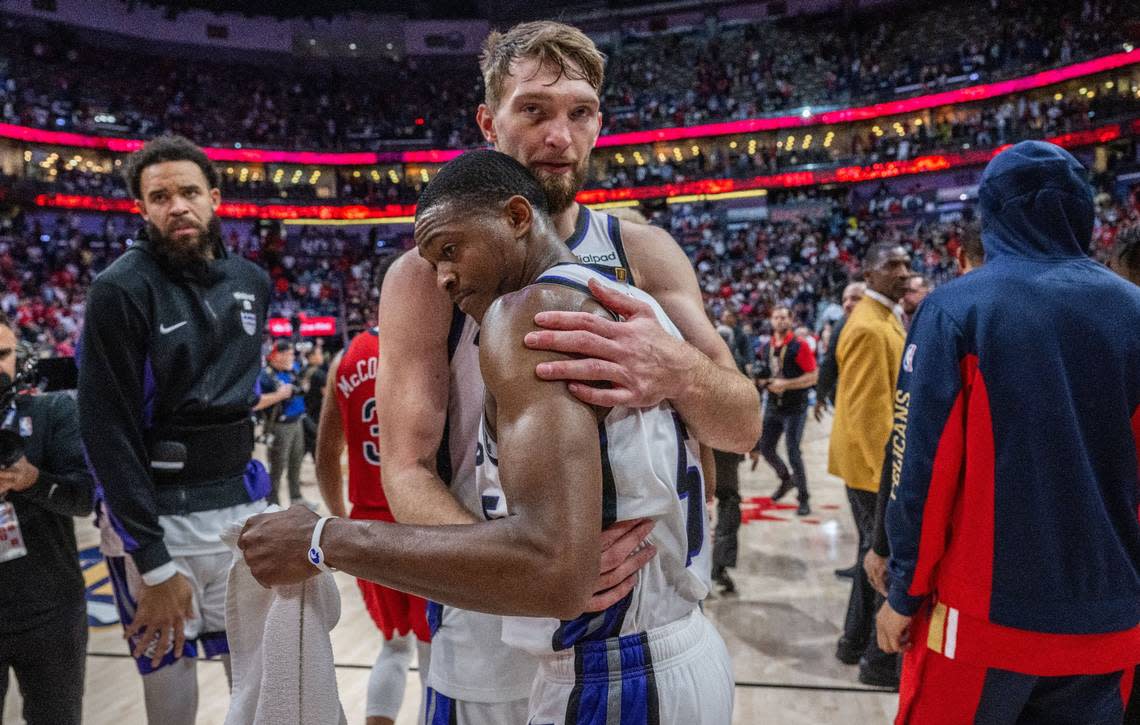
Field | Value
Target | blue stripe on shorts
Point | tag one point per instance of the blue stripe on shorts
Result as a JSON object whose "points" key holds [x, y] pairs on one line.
{"points": [[126, 604], [594, 699]]}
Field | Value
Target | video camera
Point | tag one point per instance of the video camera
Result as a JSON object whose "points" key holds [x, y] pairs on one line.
{"points": [[11, 442]]}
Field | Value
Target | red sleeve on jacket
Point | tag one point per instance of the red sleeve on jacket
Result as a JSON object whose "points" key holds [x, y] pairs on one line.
{"points": [[927, 454], [804, 356]]}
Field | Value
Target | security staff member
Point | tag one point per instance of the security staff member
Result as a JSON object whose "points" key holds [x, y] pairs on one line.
{"points": [[168, 364], [43, 616]]}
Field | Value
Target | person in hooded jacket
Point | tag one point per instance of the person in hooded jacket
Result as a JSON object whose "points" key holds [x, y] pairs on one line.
{"points": [[1015, 545], [1125, 261]]}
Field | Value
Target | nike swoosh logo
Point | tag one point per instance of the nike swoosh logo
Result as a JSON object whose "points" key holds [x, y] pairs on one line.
{"points": [[167, 330]]}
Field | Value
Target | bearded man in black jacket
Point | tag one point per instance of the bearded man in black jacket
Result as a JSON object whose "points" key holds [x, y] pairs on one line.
{"points": [[168, 364]]}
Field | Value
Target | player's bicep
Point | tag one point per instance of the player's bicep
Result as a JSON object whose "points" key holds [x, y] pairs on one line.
{"points": [[548, 442], [330, 429], [664, 271], [549, 455]]}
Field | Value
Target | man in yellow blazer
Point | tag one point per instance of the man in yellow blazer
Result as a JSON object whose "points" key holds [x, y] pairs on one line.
{"points": [[869, 354]]}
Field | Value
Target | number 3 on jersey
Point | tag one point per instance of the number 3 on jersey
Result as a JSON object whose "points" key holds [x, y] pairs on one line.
{"points": [[371, 446]]}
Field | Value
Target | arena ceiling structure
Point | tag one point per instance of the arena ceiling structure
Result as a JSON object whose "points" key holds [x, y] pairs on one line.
{"points": [[494, 10]]}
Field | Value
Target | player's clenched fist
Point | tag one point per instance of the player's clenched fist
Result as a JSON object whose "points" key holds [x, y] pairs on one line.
{"points": [[275, 546]]}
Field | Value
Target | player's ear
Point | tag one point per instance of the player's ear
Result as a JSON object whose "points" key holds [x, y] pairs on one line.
{"points": [[486, 121], [520, 214]]}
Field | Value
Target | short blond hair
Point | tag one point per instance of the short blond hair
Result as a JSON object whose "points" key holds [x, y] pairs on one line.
{"points": [[554, 45]]}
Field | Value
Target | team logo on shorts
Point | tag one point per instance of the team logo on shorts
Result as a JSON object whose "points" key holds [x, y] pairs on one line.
{"points": [[908, 358], [249, 322], [25, 427]]}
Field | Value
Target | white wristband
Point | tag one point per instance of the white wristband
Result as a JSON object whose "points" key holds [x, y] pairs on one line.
{"points": [[158, 575], [316, 554]]}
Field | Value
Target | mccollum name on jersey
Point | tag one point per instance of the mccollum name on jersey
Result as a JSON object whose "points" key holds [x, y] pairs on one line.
{"points": [[365, 371]]}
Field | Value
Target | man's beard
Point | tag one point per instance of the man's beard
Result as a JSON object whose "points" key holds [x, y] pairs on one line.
{"points": [[561, 189], [189, 256]]}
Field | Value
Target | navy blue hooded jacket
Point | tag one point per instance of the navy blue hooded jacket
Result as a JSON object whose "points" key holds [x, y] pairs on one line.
{"points": [[1015, 473]]}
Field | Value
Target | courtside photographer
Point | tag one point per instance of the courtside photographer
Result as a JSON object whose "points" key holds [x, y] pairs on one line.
{"points": [[44, 482]]}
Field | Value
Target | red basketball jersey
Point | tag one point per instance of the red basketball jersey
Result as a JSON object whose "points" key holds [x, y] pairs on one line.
{"points": [[356, 399]]}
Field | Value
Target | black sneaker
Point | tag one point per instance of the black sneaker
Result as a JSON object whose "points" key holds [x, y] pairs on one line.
{"points": [[804, 509], [847, 653], [785, 486], [724, 581], [848, 573], [878, 677]]}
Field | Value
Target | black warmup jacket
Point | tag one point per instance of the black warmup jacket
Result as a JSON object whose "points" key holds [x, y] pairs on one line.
{"points": [[167, 357]]}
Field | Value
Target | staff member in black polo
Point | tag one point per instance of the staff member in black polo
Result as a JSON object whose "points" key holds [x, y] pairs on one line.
{"points": [[791, 371], [43, 616], [170, 354]]}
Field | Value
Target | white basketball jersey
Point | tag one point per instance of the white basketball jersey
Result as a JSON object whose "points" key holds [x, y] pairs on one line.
{"points": [[469, 661], [650, 468], [464, 409], [596, 241]]}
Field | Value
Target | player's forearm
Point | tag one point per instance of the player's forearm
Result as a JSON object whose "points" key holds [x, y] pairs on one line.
{"points": [[720, 406], [110, 414], [331, 483], [417, 495], [495, 566]]}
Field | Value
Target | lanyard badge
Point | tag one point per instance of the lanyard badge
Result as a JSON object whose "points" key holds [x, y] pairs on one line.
{"points": [[11, 540]]}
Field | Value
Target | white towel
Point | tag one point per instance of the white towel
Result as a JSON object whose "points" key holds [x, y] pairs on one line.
{"points": [[280, 651]]}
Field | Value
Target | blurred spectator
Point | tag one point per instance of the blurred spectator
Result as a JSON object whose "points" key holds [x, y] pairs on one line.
{"points": [[284, 426], [313, 377], [829, 368], [917, 287], [737, 340], [1125, 259], [725, 537], [788, 372]]}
